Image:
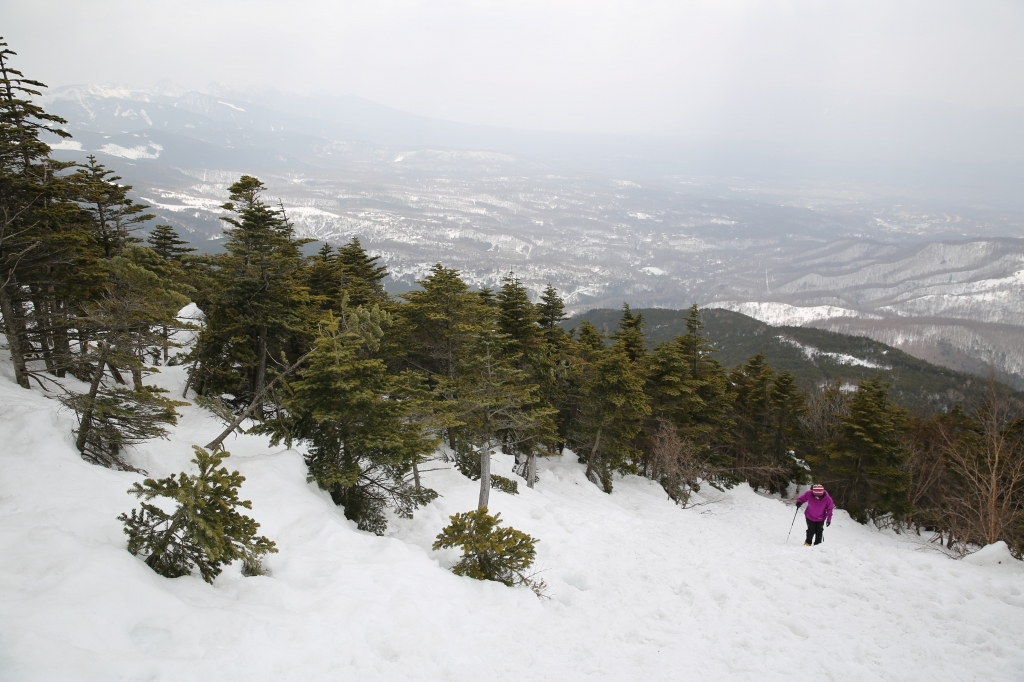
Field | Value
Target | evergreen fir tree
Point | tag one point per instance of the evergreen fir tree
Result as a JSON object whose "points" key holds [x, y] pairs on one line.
{"points": [[33, 245], [363, 276], [630, 336], [360, 424], [486, 297], [124, 326], [324, 280], [440, 319], [517, 317], [590, 341], [706, 421], [787, 436], [494, 405], [863, 466], [490, 552], [259, 313], [687, 387], [164, 240], [114, 215], [205, 530], [175, 276], [766, 426], [551, 310], [611, 409]]}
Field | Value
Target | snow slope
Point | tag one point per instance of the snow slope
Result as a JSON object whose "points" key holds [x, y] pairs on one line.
{"points": [[640, 589], [782, 314]]}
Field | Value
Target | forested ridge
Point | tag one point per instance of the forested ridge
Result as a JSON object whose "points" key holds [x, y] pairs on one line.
{"points": [[813, 356], [313, 352]]}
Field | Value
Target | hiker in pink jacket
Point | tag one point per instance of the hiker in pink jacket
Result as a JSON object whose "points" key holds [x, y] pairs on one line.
{"points": [[818, 514]]}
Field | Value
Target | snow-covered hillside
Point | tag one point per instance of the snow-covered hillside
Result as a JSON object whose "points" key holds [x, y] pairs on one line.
{"points": [[639, 589], [783, 314]]}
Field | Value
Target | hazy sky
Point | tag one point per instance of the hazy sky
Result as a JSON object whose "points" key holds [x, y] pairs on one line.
{"points": [[622, 66]]}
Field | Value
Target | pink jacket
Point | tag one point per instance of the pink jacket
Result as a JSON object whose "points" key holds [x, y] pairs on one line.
{"points": [[817, 509]]}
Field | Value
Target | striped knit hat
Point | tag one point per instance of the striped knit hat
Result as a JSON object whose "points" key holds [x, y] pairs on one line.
{"points": [[817, 489]]}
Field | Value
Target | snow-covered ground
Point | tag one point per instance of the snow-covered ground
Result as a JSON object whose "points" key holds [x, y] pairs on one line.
{"points": [[639, 589]]}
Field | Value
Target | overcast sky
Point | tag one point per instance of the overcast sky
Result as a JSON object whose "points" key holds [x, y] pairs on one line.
{"points": [[590, 66]]}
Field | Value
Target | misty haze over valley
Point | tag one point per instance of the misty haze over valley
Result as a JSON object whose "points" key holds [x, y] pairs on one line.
{"points": [[652, 221]]}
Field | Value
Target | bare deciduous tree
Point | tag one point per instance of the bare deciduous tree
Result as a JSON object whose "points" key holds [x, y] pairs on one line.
{"points": [[987, 462]]}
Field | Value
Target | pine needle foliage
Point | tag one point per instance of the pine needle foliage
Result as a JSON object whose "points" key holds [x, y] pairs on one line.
{"points": [[119, 418], [490, 552], [164, 240], [259, 308], [205, 531], [864, 465], [611, 413], [359, 423]]}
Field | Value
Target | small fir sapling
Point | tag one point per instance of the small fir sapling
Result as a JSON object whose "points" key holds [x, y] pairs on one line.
{"points": [[489, 552], [204, 531]]}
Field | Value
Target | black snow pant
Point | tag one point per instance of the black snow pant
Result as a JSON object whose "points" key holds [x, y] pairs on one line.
{"points": [[816, 530]]}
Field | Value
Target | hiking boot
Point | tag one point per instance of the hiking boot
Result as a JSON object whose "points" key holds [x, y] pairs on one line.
{"points": [[807, 544]]}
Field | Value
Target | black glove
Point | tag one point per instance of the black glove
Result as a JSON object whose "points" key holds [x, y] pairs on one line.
{"points": [[799, 504], [829, 522]]}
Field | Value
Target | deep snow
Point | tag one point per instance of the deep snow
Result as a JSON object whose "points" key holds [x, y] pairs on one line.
{"points": [[640, 589]]}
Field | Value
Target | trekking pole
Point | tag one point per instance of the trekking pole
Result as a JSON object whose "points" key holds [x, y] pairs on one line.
{"points": [[795, 512]]}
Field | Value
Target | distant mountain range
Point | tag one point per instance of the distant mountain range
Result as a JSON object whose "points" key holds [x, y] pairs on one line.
{"points": [[605, 219]]}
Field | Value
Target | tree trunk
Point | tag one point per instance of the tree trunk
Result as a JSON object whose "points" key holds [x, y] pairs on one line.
{"points": [[44, 329], [86, 422], [189, 378], [137, 379], [215, 443], [261, 369], [61, 343], [592, 460], [485, 465], [157, 550], [416, 474], [485, 476], [115, 373], [14, 340], [531, 469]]}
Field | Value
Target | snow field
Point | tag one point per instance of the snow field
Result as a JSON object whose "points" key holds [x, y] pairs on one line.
{"points": [[639, 588]]}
